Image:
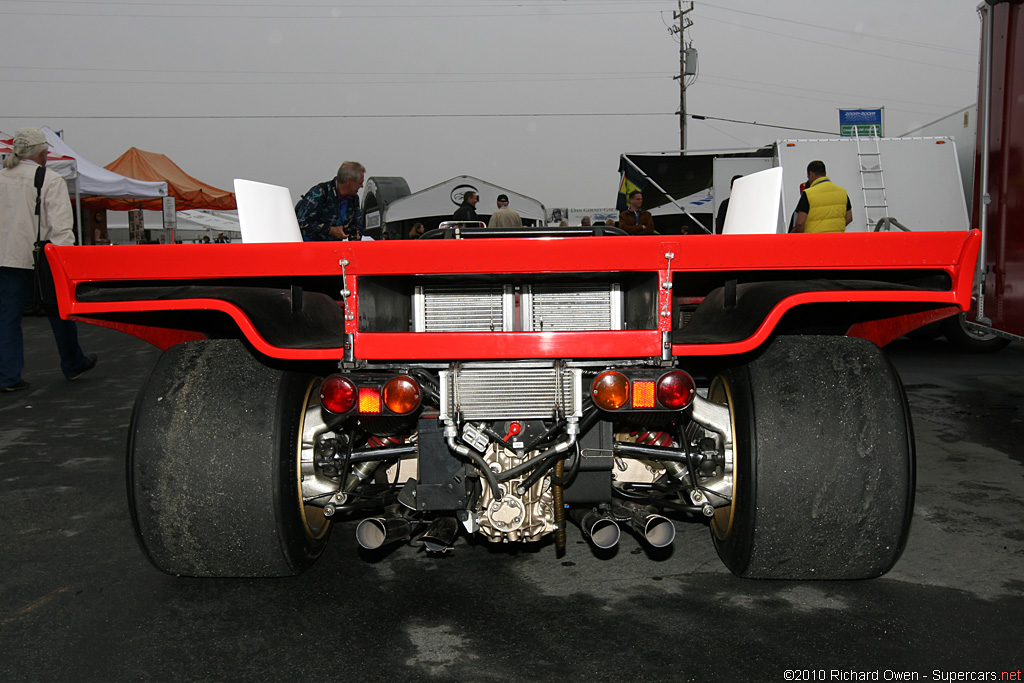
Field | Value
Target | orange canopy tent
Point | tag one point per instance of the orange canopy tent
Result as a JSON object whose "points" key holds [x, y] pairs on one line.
{"points": [[188, 192]]}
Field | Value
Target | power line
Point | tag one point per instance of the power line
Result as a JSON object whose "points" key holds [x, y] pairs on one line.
{"points": [[842, 47], [699, 117], [331, 4], [332, 13], [830, 100], [818, 91], [342, 72], [332, 116], [856, 34], [333, 82]]}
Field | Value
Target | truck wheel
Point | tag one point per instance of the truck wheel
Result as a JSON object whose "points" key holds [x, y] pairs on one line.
{"points": [[213, 465], [823, 462], [967, 340]]}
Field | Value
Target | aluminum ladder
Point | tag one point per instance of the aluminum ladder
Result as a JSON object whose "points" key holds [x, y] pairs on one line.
{"points": [[872, 181]]}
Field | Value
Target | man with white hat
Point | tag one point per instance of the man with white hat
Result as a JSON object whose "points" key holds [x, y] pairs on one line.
{"points": [[18, 230]]}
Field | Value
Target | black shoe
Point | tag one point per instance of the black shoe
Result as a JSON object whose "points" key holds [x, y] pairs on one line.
{"points": [[16, 387], [90, 363]]}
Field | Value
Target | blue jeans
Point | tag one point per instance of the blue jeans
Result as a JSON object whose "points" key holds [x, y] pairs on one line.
{"points": [[15, 291]]}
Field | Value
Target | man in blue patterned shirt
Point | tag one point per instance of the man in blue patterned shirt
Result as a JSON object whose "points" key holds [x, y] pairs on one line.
{"points": [[329, 210]]}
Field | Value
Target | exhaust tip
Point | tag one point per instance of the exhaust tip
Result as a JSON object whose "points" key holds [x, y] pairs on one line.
{"points": [[371, 533], [604, 533], [598, 527], [441, 535], [659, 531]]}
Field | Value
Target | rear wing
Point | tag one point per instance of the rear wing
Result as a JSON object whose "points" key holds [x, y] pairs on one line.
{"points": [[700, 295]]}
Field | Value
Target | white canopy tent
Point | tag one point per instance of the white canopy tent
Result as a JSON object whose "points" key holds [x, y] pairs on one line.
{"points": [[95, 181], [442, 200]]}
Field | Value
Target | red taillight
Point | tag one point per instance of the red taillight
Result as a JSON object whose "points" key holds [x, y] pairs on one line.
{"points": [[610, 390], [369, 400], [675, 390], [401, 395], [643, 393], [338, 394]]}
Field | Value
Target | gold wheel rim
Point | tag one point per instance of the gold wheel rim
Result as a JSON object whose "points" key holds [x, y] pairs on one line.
{"points": [[314, 523], [721, 523]]}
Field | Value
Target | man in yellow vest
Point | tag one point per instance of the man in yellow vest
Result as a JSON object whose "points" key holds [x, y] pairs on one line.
{"points": [[823, 205]]}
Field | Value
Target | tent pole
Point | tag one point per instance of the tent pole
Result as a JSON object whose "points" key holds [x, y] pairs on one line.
{"points": [[78, 205], [662, 190]]}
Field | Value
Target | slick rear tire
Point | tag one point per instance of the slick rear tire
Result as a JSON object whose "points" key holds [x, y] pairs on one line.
{"points": [[823, 462], [213, 465]]}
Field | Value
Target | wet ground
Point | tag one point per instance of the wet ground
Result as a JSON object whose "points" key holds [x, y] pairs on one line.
{"points": [[79, 601]]}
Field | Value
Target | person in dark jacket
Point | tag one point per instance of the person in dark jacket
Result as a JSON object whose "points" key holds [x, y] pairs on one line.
{"points": [[467, 210], [634, 220], [330, 210]]}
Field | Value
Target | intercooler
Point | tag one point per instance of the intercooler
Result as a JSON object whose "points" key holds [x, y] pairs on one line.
{"points": [[566, 308], [541, 308], [511, 391], [463, 309]]}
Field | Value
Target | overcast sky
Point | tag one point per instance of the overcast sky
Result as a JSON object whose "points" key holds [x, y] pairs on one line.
{"points": [[540, 96]]}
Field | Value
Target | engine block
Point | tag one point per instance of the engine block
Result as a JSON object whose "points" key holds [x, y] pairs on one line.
{"points": [[515, 518]]}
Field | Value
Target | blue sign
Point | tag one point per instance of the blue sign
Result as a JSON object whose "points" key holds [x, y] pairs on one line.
{"points": [[866, 122]]}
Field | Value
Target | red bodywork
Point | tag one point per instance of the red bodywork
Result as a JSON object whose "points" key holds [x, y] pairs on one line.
{"points": [[669, 259], [1003, 301]]}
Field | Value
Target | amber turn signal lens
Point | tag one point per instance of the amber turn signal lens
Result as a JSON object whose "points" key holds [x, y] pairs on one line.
{"points": [[610, 390], [643, 393], [338, 394], [369, 400], [402, 395], [676, 390]]}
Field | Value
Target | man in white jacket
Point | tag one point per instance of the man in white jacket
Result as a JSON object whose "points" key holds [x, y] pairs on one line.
{"points": [[18, 230]]}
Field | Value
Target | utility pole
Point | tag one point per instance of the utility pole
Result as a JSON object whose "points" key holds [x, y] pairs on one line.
{"points": [[687, 64]]}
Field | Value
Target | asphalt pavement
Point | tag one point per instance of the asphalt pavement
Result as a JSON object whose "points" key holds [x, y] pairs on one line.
{"points": [[80, 602]]}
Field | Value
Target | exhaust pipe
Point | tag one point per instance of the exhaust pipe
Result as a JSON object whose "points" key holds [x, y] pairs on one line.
{"points": [[374, 532], [657, 530], [440, 535], [598, 527]]}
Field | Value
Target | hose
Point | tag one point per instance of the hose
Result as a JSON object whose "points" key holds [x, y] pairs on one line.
{"points": [[574, 468], [535, 461], [488, 473], [541, 470], [553, 455]]}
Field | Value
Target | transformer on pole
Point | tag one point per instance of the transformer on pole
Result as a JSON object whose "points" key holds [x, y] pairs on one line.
{"points": [[687, 64]]}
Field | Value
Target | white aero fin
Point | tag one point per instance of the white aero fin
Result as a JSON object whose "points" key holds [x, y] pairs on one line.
{"points": [[265, 212], [754, 204]]}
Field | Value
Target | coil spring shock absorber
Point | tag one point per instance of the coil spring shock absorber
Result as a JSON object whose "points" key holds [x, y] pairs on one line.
{"points": [[361, 472], [649, 438], [676, 470], [380, 441]]}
